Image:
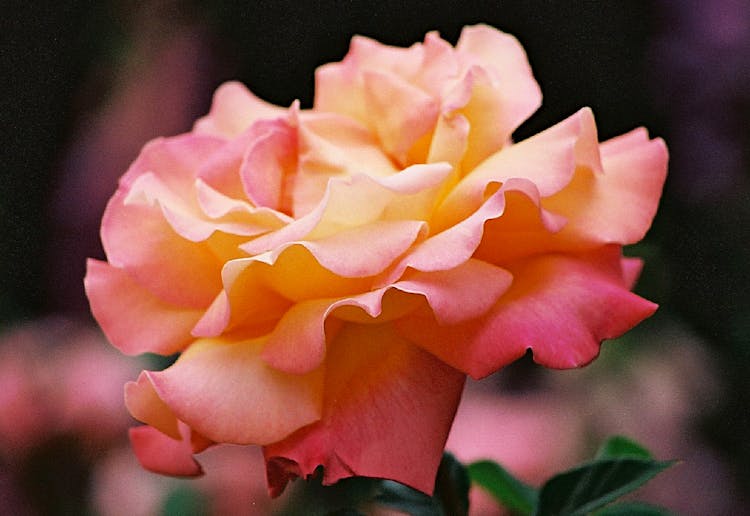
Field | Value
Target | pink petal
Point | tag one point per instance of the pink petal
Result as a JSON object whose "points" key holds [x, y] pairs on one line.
{"points": [[631, 270], [387, 411], [332, 145], [176, 161], [134, 320], [225, 391], [233, 110], [160, 453], [269, 166], [561, 307]]}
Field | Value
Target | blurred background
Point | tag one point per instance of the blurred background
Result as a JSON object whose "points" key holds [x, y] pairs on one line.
{"points": [[86, 84]]}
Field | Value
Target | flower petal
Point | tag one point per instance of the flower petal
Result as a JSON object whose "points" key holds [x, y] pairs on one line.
{"points": [[226, 392], [145, 405], [503, 56], [548, 160], [618, 205], [160, 453], [135, 237], [401, 112], [458, 294], [233, 110], [561, 307], [387, 412], [132, 318]]}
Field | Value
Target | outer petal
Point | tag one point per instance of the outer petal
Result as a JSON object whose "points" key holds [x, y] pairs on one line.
{"points": [[618, 205], [134, 320], [503, 56], [160, 453], [138, 239], [233, 110], [388, 409], [145, 405], [227, 393], [559, 306]]}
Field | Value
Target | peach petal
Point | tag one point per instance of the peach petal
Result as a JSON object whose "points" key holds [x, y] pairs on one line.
{"points": [[458, 294], [547, 159], [135, 237], [132, 318], [297, 344], [225, 391], [380, 244], [381, 392], [561, 307], [475, 99], [402, 113], [233, 110], [358, 201], [145, 405], [616, 206], [503, 56], [524, 229], [453, 246], [160, 453]]}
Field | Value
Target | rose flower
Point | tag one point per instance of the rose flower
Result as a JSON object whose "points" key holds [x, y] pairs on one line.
{"points": [[330, 276]]}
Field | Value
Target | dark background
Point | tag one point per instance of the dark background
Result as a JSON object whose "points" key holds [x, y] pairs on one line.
{"points": [[682, 69]]}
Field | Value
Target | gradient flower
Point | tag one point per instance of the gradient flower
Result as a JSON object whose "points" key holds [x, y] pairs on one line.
{"points": [[330, 276]]}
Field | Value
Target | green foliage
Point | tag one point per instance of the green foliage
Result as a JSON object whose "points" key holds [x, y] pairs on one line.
{"points": [[510, 492], [620, 467], [591, 486], [359, 495]]}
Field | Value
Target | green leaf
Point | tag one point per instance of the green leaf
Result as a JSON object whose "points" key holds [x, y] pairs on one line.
{"points": [[504, 487], [633, 509], [452, 486], [451, 495], [619, 446], [405, 499], [594, 485]]}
